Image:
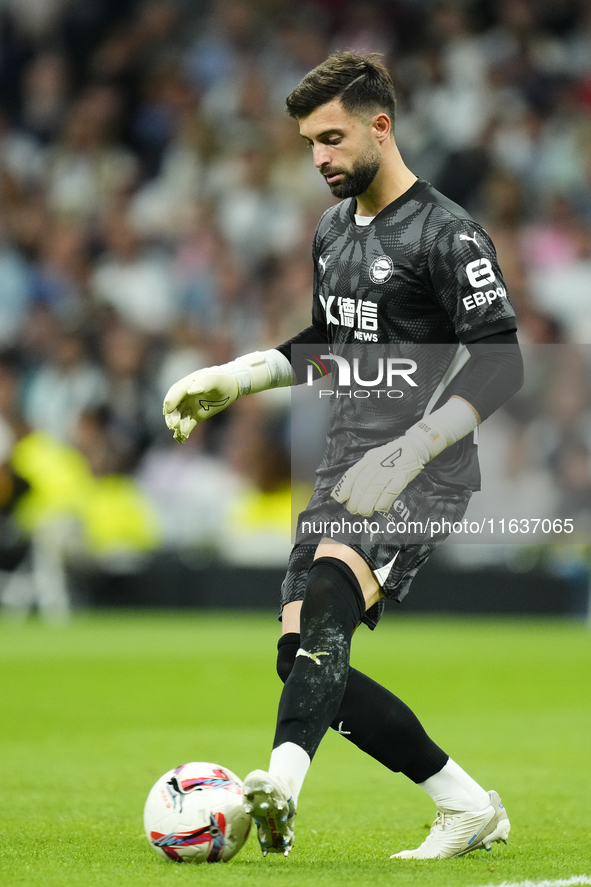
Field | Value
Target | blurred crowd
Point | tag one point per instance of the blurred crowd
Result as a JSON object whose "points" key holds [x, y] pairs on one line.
{"points": [[156, 214]]}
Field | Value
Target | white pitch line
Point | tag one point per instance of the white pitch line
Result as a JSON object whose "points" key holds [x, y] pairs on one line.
{"points": [[562, 882]]}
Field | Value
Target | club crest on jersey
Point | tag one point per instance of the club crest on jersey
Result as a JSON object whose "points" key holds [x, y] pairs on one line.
{"points": [[381, 269]]}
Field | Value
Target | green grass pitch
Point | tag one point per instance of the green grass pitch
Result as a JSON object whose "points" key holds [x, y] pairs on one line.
{"points": [[95, 711]]}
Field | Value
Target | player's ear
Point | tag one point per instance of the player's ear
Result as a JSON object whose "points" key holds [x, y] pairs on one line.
{"points": [[382, 126]]}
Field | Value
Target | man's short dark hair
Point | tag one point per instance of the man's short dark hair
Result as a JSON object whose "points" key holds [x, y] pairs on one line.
{"points": [[361, 82]]}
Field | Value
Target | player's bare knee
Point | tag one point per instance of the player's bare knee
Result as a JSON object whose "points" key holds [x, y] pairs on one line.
{"points": [[290, 617]]}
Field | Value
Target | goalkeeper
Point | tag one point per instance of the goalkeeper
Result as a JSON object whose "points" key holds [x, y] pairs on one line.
{"points": [[394, 262]]}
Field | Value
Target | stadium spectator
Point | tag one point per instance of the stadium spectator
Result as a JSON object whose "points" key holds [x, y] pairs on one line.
{"points": [[64, 386]]}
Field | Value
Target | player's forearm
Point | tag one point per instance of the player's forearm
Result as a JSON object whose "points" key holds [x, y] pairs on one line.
{"points": [[493, 374], [312, 335], [315, 334]]}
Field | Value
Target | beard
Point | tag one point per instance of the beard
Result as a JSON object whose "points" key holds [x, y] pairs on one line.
{"points": [[359, 178]]}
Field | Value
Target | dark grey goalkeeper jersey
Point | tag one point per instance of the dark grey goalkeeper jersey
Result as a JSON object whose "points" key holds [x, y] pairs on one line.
{"points": [[422, 273]]}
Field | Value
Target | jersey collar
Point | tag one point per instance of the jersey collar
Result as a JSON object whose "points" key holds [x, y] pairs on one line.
{"points": [[409, 194]]}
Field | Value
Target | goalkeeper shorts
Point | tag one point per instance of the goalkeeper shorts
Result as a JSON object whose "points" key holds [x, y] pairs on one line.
{"points": [[394, 545]]}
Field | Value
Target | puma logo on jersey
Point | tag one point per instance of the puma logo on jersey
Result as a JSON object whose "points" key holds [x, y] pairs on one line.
{"points": [[322, 262], [465, 237]]}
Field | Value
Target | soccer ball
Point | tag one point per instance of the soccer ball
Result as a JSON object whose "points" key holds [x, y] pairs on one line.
{"points": [[194, 814]]}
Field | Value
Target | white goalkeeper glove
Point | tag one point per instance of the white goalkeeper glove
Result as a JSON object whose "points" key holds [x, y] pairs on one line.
{"points": [[207, 392], [373, 483]]}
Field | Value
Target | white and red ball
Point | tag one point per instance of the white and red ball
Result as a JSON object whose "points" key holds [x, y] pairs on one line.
{"points": [[194, 813]]}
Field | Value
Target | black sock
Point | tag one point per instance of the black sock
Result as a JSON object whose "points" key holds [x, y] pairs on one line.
{"points": [[383, 726], [376, 721], [332, 608]]}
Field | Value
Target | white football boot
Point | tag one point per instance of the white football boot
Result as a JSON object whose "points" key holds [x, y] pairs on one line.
{"points": [[454, 834], [271, 805]]}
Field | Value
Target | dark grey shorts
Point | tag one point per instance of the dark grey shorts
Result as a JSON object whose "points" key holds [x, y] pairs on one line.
{"points": [[395, 560]]}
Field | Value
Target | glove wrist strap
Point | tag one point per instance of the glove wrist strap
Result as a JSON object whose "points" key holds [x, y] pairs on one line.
{"points": [[260, 370], [450, 423]]}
